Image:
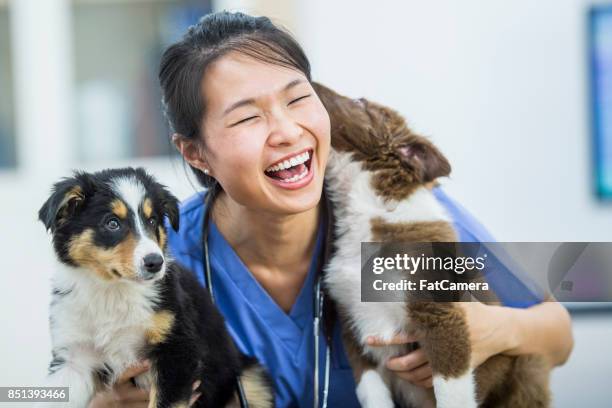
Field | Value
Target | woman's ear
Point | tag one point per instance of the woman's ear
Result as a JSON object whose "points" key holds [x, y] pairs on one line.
{"points": [[191, 152]]}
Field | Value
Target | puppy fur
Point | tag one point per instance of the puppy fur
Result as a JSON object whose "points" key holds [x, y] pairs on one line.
{"points": [[377, 178], [118, 298]]}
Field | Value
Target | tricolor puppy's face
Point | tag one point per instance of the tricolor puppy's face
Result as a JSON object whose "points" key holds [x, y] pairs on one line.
{"points": [[110, 223]]}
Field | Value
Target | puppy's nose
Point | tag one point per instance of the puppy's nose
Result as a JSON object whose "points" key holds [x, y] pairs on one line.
{"points": [[153, 262]]}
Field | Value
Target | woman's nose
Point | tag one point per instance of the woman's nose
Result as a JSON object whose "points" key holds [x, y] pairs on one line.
{"points": [[284, 129]]}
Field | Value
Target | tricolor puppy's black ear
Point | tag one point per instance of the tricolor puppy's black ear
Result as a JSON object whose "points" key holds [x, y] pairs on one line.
{"points": [[171, 208], [67, 197], [169, 203], [422, 157]]}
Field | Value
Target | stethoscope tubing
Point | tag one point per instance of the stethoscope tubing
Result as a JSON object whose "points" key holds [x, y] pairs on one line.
{"points": [[317, 318]]}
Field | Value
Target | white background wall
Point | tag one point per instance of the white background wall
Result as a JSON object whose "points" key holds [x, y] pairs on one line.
{"points": [[500, 86]]}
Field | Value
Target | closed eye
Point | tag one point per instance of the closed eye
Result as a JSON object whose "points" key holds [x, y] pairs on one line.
{"points": [[243, 120], [299, 99]]}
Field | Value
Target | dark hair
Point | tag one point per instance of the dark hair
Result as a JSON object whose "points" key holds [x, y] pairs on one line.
{"points": [[184, 64]]}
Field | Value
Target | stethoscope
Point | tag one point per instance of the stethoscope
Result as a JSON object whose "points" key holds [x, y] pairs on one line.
{"points": [[318, 301]]}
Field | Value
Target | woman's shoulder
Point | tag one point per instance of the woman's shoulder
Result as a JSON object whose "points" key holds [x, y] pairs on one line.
{"points": [[466, 225], [193, 204], [507, 279]]}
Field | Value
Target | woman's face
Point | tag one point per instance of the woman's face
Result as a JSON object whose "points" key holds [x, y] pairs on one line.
{"points": [[257, 116]]}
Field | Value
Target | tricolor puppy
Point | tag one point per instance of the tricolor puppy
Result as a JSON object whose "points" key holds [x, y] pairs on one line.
{"points": [[118, 298], [377, 178]]}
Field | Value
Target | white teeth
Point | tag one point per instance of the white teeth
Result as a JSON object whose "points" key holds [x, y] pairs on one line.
{"points": [[294, 161], [296, 178]]}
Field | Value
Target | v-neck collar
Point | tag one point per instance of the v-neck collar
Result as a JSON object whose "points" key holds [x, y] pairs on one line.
{"points": [[291, 327]]}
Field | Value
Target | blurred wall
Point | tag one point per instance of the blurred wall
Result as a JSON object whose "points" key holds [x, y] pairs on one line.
{"points": [[500, 86]]}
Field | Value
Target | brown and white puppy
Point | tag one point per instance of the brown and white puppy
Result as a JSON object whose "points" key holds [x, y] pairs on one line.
{"points": [[377, 179]]}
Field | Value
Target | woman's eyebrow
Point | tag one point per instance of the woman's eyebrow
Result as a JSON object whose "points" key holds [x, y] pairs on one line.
{"points": [[236, 105], [251, 101]]}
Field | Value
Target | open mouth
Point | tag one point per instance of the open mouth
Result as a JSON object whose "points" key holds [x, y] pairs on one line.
{"points": [[291, 170]]}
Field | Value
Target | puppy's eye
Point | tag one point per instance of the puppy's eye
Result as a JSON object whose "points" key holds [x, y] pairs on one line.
{"points": [[153, 222], [112, 224]]}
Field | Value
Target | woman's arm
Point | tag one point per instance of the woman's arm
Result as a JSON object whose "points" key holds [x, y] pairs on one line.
{"points": [[544, 329]]}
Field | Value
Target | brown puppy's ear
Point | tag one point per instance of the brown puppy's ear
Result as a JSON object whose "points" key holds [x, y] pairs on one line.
{"points": [[341, 109], [350, 124], [326, 95], [424, 159]]}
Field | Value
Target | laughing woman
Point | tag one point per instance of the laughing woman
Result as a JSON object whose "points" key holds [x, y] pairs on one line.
{"points": [[238, 95]]}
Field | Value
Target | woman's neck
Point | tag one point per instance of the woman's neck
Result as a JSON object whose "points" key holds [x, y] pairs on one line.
{"points": [[265, 240]]}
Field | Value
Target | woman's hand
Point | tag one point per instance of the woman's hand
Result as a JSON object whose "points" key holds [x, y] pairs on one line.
{"points": [[124, 394], [413, 367]]}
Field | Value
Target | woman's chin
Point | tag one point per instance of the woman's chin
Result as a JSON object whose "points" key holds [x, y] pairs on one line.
{"points": [[298, 200]]}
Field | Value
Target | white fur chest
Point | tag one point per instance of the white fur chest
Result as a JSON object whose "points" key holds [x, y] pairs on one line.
{"points": [[356, 204], [95, 323]]}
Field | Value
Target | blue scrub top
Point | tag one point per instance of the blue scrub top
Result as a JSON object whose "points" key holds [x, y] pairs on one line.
{"points": [[282, 342]]}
